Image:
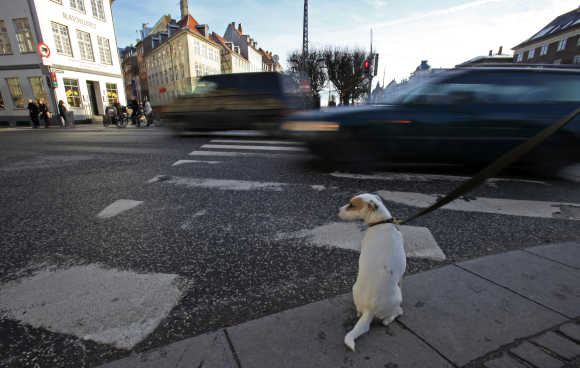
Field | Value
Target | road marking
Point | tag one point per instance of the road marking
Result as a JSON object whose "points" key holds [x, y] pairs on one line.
{"points": [[318, 187], [570, 173], [222, 184], [183, 162], [392, 176], [257, 148], [419, 242], [512, 207], [254, 141], [108, 306], [118, 207], [245, 154]]}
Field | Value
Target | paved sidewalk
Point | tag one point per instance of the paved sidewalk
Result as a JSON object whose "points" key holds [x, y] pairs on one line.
{"points": [[516, 309]]}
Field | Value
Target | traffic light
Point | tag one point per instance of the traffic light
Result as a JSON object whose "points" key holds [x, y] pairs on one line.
{"points": [[54, 80], [367, 66]]}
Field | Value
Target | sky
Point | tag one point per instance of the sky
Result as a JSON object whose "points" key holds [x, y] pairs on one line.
{"points": [[444, 32]]}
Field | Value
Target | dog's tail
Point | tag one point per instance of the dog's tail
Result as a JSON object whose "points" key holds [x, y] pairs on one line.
{"points": [[361, 327]]}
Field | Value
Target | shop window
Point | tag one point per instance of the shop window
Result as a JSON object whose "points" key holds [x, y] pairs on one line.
{"points": [[61, 39], [85, 46], [23, 35], [105, 51], [71, 89], [112, 93], [16, 92], [5, 47], [38, 90]]}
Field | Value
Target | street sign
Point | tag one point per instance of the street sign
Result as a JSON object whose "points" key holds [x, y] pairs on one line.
{"points": [[43, 50]]}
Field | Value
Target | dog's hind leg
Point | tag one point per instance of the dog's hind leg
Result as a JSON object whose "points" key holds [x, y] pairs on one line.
{"points": [[398, 311], [361, 327]]}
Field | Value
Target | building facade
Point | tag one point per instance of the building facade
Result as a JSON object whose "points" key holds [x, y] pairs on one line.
{"points": [[248, 46], [83, 67], [556, 43]]}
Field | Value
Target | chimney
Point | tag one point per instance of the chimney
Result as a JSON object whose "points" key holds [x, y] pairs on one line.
{"points": [[203, 29], [490, 52], [184, 9], [500, 50], [240, 28]]}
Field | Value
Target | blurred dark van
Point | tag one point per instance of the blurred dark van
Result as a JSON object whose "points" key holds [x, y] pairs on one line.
{"points": [[238, 101]]}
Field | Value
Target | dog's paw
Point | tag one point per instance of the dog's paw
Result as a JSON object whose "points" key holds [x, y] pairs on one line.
{"points": [[349, 342]]}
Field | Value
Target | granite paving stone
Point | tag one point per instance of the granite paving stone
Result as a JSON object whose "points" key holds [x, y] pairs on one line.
{"points": [[559, 345], [567, 253], [209, 351], [464, 316], [313, 335], [536, 356], [571, 330], [504, 361], [546, 282]]}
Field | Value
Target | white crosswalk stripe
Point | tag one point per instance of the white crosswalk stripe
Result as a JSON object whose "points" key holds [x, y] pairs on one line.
{"points": [[254, 141], [259, 148]]}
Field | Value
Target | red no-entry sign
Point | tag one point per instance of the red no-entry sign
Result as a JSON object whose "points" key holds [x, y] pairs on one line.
{"points": [[43, 50]]}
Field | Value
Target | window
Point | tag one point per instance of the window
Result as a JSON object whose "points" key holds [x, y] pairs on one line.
{"points": [[71, 89], [105, 51], [98, 10], [61, 39], [577, 59], [78, 5], [578, 42], [38, 90], [5, 47], [85, 46], [544, 50], [16, 92], [58, 1], [561, 45], [531, 53], [519, 57], [2, 106], [23, 35], [112, 93]]}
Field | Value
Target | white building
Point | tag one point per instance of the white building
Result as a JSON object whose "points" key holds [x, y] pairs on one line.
{"points": [[83, 56], [248, 46]]}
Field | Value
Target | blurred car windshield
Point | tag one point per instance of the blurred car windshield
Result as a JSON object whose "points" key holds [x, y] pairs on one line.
{"points": [[489, 87]]}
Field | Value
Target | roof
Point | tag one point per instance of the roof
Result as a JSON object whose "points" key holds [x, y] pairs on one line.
{"points": [[488, 59], [219, 40], [189, 22], [561, 24]]}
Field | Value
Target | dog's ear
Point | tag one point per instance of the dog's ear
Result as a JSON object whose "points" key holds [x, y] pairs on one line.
{"points": [[373, 206]]}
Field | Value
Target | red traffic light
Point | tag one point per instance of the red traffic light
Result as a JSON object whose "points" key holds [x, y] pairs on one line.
{"points": [[367, 64]]}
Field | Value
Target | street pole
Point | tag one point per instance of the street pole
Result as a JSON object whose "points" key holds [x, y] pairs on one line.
{"points": [[371, 67]]}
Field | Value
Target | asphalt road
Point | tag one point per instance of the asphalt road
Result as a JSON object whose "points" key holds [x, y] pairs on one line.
{"points": [[232, 237]]}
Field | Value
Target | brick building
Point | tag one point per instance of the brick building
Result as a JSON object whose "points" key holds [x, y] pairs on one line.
{"points": [[556, 43]]}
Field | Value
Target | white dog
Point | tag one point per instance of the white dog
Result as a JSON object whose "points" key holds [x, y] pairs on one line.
{"points": [[382, 262]]}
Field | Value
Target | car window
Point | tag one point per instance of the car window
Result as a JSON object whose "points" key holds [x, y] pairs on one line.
{"points": [[203, 87], [504, 87]]}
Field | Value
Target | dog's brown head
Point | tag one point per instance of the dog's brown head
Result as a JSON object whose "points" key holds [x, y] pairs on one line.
{"points": [[367, 207]]}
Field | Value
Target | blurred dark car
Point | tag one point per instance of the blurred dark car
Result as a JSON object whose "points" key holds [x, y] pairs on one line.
{"points": [[468, 115], [235, 101]]}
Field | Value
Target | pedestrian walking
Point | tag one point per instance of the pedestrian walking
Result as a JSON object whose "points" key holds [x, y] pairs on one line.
{"points": [[148, 111], [34, 111], [62, 113], [44, 113]]}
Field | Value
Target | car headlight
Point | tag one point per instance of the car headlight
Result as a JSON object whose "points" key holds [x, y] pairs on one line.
{"points": [[310, 126]]}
